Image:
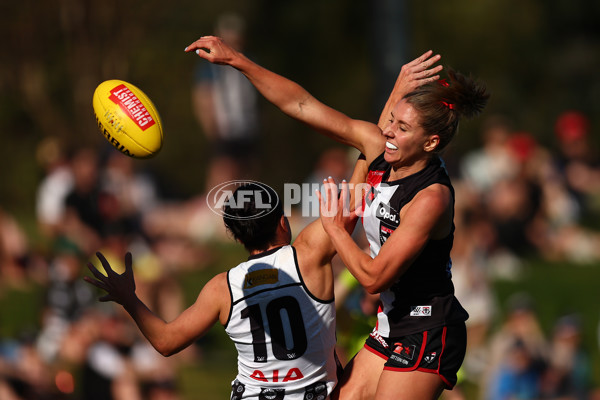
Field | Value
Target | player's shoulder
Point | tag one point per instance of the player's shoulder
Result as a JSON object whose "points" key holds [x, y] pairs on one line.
{"points": [[218, 283], [436, 196]]}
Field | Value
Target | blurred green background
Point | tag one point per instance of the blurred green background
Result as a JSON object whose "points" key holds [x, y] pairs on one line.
{"points": [[538, 58]]}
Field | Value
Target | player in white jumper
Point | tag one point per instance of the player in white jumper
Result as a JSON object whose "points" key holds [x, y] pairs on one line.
{"points": [[277, 307]]}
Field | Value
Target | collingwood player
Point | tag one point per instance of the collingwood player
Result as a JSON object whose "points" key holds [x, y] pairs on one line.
{"points": [[419, 342], [277, 307]]}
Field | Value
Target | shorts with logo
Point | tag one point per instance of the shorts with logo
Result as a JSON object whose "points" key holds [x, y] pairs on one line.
{"points": [[439, 350], [316, 391]]}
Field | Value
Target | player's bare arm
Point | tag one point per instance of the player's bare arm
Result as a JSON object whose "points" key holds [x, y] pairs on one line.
{"points": [[167, 338], [298, 103], [294, 100], [315, 249], [423, 218]]}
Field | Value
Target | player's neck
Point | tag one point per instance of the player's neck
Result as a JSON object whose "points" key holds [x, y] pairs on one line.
{"points": [[271, 247]]}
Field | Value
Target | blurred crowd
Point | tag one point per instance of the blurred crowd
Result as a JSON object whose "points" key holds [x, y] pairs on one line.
{"points": [[516, 199]]}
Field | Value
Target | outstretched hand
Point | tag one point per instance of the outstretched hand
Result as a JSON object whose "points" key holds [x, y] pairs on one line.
{"points": [[119, 288], [418, 72], [335, 211], [414, 74], [213, 49]]}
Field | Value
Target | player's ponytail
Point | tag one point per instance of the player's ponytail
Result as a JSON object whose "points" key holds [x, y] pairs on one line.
{"points": [[441, 104]]}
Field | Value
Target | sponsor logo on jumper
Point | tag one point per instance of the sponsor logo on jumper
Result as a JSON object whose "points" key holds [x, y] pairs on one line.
{"points": [[292, 374], [388, 215], [132, 106], [420, 311], [406, 351], [384, 234], [237, 390], [316, 391], [430, 357], [271, 394], [261, 277]]}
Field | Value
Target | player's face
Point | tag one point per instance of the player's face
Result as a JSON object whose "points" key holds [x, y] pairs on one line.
{"points": [[405, 138]]}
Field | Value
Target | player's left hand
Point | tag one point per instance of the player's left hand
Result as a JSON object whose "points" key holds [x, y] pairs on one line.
{"points": [[119, 288]]}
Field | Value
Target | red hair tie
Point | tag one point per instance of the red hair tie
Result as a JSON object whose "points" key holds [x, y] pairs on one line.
{"points": [[449, 105], [443, 82]]}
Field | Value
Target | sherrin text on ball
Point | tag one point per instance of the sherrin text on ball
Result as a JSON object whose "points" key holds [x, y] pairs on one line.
{"points": [[128, 119]]}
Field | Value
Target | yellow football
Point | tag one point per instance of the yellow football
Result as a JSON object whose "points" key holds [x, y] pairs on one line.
{"points": [[128, 119]]}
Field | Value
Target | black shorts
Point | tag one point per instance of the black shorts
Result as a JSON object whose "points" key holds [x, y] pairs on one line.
{"points": [[439, 351]]}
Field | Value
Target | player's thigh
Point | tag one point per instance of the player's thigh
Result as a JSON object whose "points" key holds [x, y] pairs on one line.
{"points": [[360, 377], [414, 385]]}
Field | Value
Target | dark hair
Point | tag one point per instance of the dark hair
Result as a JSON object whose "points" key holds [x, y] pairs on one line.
{"points": [[440, 105], [249, 224]]}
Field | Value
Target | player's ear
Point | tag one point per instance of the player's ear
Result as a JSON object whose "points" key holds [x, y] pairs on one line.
{"points": [[284, 223], [432, 143]]}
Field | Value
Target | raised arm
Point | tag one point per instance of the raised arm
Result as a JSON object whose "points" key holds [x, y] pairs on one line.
{"points": [[166, 337], [294, 100], [298, 103]]}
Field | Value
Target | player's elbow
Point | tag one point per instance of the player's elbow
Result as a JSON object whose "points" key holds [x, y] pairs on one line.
{"points": [[168, 351], [163, 349], [166, 348], [375, 287], [377, 280], [372, 284], [165, 353]]}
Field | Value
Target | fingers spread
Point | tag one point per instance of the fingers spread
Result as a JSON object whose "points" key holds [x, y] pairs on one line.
{"points": [[98, 284], [104, 263], [95, 272]]}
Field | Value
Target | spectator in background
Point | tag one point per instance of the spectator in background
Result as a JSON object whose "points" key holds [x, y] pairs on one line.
{"points": [[483, 167], [514, 202], [518, 375], [577, 159], [135, 192], [14, 251], [225, 104], [84, 219], [54, 186], [108, 372], [23, 374], [474, 239], [67, 298], [567, 376], [516, 350]]}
